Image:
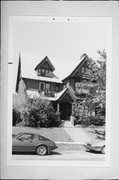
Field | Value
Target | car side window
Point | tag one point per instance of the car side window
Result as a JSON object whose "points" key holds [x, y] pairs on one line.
{"points": [[41, 138], [38, 137], [26, 136]]}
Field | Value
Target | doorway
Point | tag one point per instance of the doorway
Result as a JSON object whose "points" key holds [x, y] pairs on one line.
{"points": [[65, 110]]}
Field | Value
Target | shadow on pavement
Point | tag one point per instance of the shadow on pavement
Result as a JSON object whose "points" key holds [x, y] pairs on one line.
{"points": [[33, 153], [94, 152]]}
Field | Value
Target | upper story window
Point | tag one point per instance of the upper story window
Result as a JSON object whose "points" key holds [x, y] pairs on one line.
{"points": [[44, 72], [83, 70], [57, 88], [47, 87], [42, 86], [39, 72]]}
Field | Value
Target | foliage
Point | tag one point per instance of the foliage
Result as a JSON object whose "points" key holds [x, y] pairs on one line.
{"points": [[97, 95], [42, 113], [97, 120], [33, 112], [20, 101]]}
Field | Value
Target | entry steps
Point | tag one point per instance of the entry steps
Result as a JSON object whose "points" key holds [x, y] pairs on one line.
{"points": [[68, 124]]}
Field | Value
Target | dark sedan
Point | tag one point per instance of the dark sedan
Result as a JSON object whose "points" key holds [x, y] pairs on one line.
{"points": [[29, 142]]}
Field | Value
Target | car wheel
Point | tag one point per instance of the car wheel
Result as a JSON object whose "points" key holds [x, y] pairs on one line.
{"points": [[41, 150], [103, 150]]}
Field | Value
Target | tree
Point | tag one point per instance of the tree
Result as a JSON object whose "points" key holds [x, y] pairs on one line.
{"points": [[20, 102], [97, 88]]}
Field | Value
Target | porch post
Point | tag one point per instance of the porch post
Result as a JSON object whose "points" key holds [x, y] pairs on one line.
{"points": [[58, 107], [71, 117]]}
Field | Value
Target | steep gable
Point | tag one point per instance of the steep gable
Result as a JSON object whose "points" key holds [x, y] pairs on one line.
{"points": [[46, 64], [78, 69]]}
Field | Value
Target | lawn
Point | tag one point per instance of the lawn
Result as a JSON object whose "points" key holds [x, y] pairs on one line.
{"points": [[90, 131], [54, 134]]}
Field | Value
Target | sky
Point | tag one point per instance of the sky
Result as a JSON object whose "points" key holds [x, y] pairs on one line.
{"points": [[63, 41]]}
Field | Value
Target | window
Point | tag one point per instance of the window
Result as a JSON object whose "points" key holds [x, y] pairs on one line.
{"points": [[43, 72], [39, 72], [57, 88], [47, 86], [26, 137], [42, 86]]}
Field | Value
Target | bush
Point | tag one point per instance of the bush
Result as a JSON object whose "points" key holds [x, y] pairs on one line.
{"points": [[54, 120], [16, 117], [97, 120], [85, 122], [34, 113]]}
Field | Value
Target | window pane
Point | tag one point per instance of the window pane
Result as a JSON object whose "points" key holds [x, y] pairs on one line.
{"points": [[25, 136], [47, 86]]}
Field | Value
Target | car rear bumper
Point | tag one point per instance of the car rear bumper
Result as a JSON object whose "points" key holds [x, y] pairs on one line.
{"points": [[92, 148], [53, 147]]}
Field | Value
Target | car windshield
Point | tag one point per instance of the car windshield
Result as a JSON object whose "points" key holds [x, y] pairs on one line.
{"points": [[15, 135]]}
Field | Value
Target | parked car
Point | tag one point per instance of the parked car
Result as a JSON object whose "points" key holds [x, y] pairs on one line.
{"points": [[100, 131], [97, 147], [29, 142]]}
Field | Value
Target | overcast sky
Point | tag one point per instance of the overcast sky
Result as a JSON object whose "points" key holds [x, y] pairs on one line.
{"points": [[64, 41], [61, 40]]}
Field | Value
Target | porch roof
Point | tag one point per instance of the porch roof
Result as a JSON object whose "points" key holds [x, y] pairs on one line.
{"points": [[57, 97]]}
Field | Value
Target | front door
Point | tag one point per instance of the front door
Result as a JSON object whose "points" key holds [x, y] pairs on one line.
{"points": [[65, 110]]}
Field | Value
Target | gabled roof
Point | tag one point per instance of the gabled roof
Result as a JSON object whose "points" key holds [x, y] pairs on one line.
{"points": [[83, 59], [63, 67], [28, 64], [46, 59], [67, 90]]}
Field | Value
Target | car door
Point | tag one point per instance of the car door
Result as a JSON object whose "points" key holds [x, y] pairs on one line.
{"points": [[23, 143]]}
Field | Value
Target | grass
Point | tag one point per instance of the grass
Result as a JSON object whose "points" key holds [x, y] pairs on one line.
{"points": [[54, 134], [91, 133]]}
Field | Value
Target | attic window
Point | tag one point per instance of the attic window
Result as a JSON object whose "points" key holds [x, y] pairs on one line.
{"points": [[39, 72]]}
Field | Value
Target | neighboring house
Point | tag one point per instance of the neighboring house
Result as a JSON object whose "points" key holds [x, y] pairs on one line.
{"points": [[41, 81]]}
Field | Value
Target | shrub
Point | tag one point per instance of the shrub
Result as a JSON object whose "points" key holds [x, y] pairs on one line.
{"points": [[16, 117], [34, 112], [97, 120], [54, 120], [85, 121]]}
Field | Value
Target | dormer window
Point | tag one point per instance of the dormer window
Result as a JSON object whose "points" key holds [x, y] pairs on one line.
{"points": [[43, 72], [39, 72], [45, 68]]}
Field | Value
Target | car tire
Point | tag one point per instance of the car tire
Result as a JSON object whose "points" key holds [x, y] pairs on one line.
{"points": [[103, 150], [41, 150]]}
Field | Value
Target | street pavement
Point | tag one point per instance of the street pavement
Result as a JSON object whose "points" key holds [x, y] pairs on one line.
{"points": [[62, 155]]}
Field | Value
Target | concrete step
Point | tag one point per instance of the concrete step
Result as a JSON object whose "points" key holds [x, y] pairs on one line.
{"points": [[68, 124]]}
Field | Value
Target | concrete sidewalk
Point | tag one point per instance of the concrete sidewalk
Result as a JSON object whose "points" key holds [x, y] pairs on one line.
{"points": [[77, 135]]}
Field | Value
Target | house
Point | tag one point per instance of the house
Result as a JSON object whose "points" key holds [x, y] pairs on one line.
{"points": [[40, 79]]}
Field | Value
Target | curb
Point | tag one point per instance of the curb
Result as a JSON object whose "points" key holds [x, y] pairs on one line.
{"points": [[81, 143]]}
